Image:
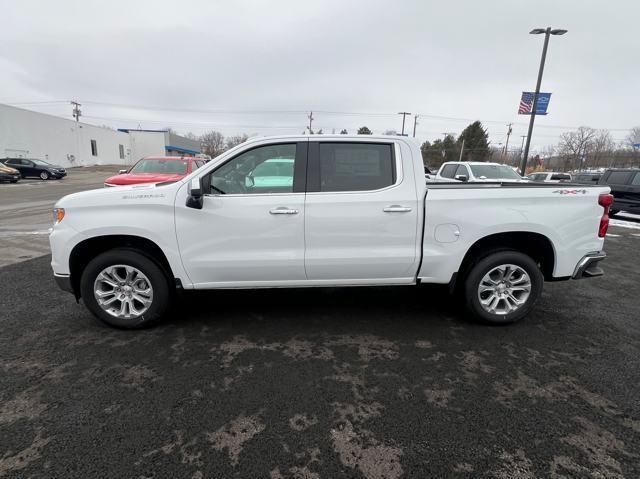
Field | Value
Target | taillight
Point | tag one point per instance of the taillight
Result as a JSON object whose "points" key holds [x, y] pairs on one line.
{"points": [[605, 200]]}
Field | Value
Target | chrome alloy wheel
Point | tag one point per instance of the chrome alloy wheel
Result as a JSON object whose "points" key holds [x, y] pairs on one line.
{"points": [[123, 291], [504, 289]]}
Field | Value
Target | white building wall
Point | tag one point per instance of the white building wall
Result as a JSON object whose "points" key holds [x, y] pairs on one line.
{"points": [[146, 143], [25, 133]]}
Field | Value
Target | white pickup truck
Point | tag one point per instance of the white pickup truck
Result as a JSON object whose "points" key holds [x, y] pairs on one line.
{"points": [[299, 211]]}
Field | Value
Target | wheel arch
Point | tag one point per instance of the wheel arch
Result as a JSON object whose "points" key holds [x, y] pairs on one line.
{"points": [[536, 245], [89, 248]]}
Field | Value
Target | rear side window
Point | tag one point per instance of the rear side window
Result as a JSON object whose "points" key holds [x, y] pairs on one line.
{"points": [[561, 176], [449, 171], [355, 166], [636, 180], [618, 177]]}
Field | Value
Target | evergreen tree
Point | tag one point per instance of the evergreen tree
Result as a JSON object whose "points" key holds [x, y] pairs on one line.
{"points": [[476, 143], [344, 131], [363, 130]]}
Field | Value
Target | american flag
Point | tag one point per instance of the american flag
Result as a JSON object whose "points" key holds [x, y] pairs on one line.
{"points": [[526, 103]]}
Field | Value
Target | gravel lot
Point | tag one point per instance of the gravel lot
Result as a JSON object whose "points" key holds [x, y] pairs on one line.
{"points": [[375, 383]]}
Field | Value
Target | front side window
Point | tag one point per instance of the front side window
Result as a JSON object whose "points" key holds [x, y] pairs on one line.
{"points": [[618, 177], [462, 171], [636, 180], [265, 169], [356, 166], [449, 171]]}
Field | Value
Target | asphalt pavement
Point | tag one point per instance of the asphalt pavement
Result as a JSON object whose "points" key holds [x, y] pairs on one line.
{"points": [[25, 210], [324, 383]]}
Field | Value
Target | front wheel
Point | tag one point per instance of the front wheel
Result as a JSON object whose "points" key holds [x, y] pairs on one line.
{"points": [[44, 175], [125, 289], [503, 287]]}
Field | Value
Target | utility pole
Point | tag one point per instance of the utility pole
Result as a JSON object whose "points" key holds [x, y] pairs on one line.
{"points": [[522, 146], [547, 33], [76, 110], [506, 145], [404, 115], [310, 116], [461, 150], [415, 122]]}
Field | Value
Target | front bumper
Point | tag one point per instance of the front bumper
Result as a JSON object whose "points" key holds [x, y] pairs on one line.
{"points": [[588, 267], [64, 283], [58, 174], [9, 177]]}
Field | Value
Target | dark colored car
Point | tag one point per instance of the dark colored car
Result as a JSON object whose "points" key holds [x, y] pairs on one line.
{"points": [[587, 178], [625, 188], [9, 174], [31, 167]]}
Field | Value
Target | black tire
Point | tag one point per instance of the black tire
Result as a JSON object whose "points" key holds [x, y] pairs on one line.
{"points": [[160, 283], [484, 266], [14, 181], [44, 175], [612, 213]]}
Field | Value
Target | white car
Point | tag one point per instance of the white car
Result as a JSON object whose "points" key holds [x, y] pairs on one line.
{"points": [[477, 171], [297, 211], [550, 177]]}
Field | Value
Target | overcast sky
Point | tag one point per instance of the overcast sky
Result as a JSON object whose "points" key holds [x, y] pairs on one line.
{"points": [[256, 67]]}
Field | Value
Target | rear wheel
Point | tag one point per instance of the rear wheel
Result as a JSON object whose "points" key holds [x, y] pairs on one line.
{"points": [[503, 287], [125, 289], [44, 175]]}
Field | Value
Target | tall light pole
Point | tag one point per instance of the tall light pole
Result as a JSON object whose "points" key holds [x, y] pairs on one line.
{"points": [[547, 33]]}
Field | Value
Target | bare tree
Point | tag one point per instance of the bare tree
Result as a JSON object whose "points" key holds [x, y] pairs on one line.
{"points": [[633, 138], [601, 149], [574, 145], [236, 140], [213, 143]]}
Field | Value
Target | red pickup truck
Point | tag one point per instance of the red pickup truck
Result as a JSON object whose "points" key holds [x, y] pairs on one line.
{"points": [[156, 169]]}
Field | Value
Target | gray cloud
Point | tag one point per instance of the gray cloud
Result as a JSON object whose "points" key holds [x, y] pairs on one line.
{"points": [[460, 59]]}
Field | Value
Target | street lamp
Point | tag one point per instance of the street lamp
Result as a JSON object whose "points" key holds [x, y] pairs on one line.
{"points": [[547, 32]]}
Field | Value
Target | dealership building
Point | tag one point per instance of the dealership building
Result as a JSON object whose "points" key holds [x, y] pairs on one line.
{"points": [[30, 134]]}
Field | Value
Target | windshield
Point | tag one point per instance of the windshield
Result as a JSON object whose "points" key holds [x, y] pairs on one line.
{"points": [[175, 167], [494, 172]]}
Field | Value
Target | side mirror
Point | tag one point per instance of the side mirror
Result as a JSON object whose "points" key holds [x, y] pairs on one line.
{"points": [[462, 178], [195, 198], [120, 172]]}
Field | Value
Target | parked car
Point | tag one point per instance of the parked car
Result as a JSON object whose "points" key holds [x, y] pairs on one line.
{"points": [[354, 211], [586, 177], [476, 171], [35, 168], [625, 187], [9, 174], [156, 169], [550, 177]]}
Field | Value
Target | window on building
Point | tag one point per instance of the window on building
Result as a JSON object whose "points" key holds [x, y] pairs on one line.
{"points": [[121, 151], [356, 166], [94, 148]]}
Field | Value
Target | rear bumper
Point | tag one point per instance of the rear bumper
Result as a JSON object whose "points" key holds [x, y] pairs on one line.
{"points": [[588, 266]]}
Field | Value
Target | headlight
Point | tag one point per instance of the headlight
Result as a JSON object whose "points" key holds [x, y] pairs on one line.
{"points": [[58, 215]]}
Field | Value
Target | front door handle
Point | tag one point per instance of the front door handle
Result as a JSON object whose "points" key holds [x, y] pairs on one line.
{"points": [[283, 210], [396, 209]]}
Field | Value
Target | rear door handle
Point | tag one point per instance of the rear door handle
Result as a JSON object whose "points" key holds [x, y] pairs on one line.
{"points": [[396, 209], [283, 210]]}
